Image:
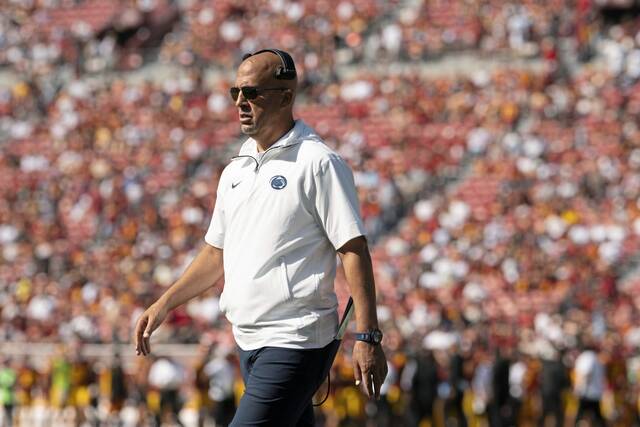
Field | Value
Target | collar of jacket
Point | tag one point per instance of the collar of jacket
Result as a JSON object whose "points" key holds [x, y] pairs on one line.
{"points": [[292, 137]]}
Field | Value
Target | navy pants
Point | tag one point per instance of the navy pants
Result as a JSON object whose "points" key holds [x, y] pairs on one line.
{"points": [[279, 385]]}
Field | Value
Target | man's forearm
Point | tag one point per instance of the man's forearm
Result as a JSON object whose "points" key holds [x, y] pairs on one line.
{"points": [[203, 272], [358, 270]]}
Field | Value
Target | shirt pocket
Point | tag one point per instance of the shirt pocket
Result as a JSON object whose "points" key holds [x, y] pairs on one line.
{"points": [[284, 281]]}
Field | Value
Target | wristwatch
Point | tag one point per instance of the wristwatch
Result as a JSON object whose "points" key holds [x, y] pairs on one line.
{"points": [[373, 336]]}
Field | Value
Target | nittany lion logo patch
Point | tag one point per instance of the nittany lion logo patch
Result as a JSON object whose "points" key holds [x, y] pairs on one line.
{"points": [[278, 182]]}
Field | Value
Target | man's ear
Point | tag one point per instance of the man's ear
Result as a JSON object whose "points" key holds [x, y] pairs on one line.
{"points": [[287, 98]]}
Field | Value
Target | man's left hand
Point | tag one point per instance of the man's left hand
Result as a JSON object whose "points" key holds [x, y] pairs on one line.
{"points": [[369, 367]]}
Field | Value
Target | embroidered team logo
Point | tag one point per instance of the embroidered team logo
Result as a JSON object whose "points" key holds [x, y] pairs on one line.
{"points": [[278, 182]]}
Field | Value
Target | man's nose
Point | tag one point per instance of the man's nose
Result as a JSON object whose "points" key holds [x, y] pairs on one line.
{"points": [[241, 100]]}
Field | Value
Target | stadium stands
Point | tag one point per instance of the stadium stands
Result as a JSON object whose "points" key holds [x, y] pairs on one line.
{"points": [[503, 205]]}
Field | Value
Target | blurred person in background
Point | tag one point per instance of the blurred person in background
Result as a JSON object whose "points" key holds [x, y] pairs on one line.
{"points": [[589, 383], [500, 409], [165, 378], [421, 374], [221, 373], [139, 389], [632, 399], [8, 376], [26, 380], [118, 392], [201, 381], [60, 378], [454, 406], [554, 381], [481, 383], [621, 409], [83, 377], [279, 241], [518, 372]]}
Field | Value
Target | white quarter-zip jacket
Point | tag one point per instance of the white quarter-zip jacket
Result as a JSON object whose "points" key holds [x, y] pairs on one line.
{"points": [[279, 217]]}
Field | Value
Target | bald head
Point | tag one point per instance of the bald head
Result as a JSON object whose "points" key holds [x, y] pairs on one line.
{"points": [[264, 66]]}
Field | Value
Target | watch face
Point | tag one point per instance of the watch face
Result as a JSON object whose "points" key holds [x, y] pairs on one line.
{"points": [[376, 336]]}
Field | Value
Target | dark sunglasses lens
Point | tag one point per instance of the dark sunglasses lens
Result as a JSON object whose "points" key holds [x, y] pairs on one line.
{"points": [[249, 92]]}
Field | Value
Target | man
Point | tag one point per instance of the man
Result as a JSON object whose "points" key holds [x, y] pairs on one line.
{"points": [[589, 383], [284, 206], [454, 406], [220, 374], [499, 410], [423, 386], [8, 378], [554, 380]]}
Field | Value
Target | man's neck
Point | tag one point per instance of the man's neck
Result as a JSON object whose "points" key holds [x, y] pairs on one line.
{"points": [[264, 142]]}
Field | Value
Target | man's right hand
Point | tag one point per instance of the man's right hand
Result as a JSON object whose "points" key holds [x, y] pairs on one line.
{"points": [[147, 323]]}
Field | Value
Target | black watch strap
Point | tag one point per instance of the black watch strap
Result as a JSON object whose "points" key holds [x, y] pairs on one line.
{"points": [[373, 336]]}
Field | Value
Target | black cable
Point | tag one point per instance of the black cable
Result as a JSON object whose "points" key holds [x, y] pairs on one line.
{"points": [[348, 311], [328, 389]]}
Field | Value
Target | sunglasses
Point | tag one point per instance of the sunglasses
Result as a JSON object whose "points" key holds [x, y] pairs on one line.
{"points": [[250, 92]]}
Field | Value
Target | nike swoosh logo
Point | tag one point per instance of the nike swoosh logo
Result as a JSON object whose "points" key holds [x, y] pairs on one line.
{"points": [[234, 185]]}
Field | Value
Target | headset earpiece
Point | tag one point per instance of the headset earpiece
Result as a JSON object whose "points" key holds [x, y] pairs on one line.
{"points": [[287, 71]]}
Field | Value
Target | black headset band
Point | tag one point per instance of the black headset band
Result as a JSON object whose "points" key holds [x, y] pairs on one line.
{"points": [[288, 69]]}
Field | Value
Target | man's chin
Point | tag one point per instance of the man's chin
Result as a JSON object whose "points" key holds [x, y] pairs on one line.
{"points": [[248, 129]]}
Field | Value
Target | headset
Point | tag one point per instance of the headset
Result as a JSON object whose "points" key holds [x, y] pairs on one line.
{"points": [[288, 69]]}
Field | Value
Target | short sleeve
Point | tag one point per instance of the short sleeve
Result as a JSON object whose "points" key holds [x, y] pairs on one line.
{"points": [[215, 233], [336, 201]]}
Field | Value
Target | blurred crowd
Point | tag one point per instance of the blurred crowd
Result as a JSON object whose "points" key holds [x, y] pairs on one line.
{"points": [[502, 207], [459, 384], [39, 36]]}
